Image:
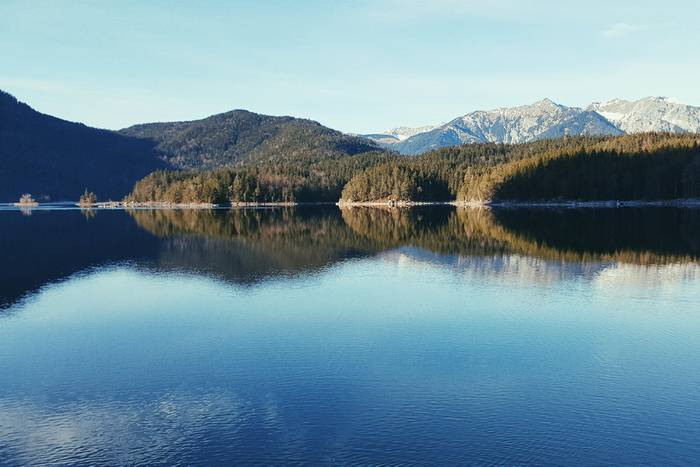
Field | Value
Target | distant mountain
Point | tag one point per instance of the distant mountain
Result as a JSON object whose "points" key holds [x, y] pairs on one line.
{"points": [[543, 119], [547, 119], [384, 140], [240, 136], [390, 137], [56, 159], [650, 114]]}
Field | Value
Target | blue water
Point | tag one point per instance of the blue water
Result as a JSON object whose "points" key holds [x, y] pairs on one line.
{"points": [[174, 344]]}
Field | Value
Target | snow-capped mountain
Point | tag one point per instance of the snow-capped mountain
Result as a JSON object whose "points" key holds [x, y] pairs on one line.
{"points": [[396, 135], [546, 119], [650, 114], [404, 132], [543, 119]]}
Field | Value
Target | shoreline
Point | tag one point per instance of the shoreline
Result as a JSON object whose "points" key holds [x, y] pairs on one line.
{"points": [[391, 204], [160, 205], [570, 204], [169, 205], [688, 203]]}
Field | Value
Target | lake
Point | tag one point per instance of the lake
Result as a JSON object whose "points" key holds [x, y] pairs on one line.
{"points": [[358, 336]]}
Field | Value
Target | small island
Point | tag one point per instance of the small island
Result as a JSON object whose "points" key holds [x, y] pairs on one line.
{"points": [[88, 199], [26, 200]]}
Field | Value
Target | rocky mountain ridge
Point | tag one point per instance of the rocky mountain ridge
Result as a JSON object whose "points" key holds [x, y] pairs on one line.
{"points": [[547, 119]]}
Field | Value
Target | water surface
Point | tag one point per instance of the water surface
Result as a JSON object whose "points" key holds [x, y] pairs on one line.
{"points": [[282, 336]]}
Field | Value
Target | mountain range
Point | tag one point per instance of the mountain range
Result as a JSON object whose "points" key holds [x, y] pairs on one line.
{"points": [[543, 120], [55, 159]]}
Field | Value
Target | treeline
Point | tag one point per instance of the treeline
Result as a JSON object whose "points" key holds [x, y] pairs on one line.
{"points": [[440, 175], [651, 166], [643, 166], [435, 176], [298, 180], [396, 181], [630, 167]]}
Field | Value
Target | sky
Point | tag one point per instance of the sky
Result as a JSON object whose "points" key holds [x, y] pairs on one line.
{"points": [[357, 66]]}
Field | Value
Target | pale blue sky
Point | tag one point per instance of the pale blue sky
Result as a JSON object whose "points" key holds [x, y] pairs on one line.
{"points": [[357, 66]]}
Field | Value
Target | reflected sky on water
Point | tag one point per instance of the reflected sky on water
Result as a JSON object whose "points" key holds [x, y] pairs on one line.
{"points": [[285, 336]]}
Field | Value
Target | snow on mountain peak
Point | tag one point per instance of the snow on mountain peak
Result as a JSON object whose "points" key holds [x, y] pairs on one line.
{"points": [[540, 120], [547, 119], [403, 132], [650, 114], [667, 99], [547, 103]]}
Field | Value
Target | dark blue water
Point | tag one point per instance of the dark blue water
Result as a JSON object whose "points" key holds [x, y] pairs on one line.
{"points": [[430, 336]]}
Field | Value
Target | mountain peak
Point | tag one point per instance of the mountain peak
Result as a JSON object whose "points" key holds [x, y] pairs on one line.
{"points": [[664, 99], [545, 105], [240, 136], [598, 104], [546, 102], [653, 113], [403, 132]]}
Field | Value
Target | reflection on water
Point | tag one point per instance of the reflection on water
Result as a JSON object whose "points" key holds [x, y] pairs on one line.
{"points": [[641, 236], [249, 245], [355, 336]]}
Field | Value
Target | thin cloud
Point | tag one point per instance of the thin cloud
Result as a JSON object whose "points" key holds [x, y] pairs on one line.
{"points": [[620, 30]]}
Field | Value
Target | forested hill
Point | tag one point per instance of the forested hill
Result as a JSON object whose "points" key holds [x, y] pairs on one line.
{"points": [[637, 162], [56, 159], [239, 136], [646, 166], [652, 166]]}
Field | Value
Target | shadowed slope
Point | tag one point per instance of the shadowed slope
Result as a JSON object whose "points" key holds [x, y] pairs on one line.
{"points": [[56, 159]]}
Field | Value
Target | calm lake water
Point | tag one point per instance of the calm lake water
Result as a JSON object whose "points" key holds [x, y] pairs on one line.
{"points": [[363, 336]]}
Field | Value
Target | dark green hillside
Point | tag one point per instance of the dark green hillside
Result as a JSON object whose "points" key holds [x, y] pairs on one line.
{"points": [[372, 176], [301, 180], [239, 136], [439, 175], [396, 181], [631, 167], [644, 166], [56, 159]]}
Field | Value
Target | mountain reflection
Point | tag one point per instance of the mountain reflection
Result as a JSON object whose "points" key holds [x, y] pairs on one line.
{"points": [[248, 245], [637, 236], [632, 235]]}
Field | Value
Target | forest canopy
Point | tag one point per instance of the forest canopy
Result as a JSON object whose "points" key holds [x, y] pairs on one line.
{"points": [[298, 180], [630, 167], [642, 166]]}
